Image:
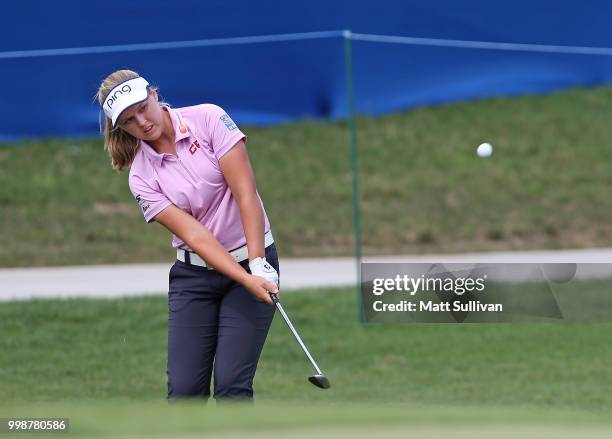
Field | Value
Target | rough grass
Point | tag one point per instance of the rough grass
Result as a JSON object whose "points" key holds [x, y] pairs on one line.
{"points": [[423, 189]]}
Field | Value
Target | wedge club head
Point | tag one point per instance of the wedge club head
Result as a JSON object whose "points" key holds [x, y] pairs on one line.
{"points": [[320, 380]]}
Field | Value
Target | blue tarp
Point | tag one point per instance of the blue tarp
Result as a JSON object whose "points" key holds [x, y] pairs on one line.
{"points": [[272, 82]]}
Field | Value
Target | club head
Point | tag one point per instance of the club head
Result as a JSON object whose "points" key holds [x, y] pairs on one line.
{"points": [[320, 380]]}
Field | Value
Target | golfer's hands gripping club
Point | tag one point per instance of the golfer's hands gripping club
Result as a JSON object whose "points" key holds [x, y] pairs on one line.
{"points": [[259, 287], [261, 269]]}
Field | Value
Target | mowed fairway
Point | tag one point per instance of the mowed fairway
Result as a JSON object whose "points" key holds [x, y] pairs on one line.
{"points": [[102, 363], [123, 419]]}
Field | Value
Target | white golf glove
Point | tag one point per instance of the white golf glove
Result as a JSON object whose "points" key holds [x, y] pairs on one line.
{"points": [[260, 267]]}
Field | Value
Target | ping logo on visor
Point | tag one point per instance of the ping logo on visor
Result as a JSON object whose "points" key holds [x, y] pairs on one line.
{"points": [[111, 98], [124, 95]]}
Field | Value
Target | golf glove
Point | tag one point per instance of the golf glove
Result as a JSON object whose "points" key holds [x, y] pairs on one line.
{"points": [[262, 268]]}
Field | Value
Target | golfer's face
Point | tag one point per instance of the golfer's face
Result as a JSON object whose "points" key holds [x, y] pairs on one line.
{"points": [[143, 121]]}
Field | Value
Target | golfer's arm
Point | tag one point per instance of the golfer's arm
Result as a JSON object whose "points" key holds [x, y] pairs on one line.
{"points": [[240, 178], [201, 241]]}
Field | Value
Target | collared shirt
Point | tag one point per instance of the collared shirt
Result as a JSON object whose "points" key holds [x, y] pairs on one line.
{"points": [[193, 180]]}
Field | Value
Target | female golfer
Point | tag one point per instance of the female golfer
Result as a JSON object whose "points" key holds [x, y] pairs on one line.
{"points": [[190, 172]]}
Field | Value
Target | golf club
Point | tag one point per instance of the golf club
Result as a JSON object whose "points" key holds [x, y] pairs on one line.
{"points": [[319, 379]]}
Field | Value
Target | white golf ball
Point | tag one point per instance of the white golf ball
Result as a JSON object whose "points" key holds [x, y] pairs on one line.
{"points": [[484, 150]]}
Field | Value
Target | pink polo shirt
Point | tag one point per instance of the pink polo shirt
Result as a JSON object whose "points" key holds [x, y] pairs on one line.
{"points": [[192, 180]]}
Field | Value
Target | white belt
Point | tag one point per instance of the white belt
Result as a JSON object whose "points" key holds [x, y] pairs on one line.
{"points": [[240, 254]]}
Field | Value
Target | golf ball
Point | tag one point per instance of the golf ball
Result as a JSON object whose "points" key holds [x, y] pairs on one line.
{"points": [[484, 150]]}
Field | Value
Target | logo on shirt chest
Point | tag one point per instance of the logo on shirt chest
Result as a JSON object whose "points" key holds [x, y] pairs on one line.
{"points": [[195, 145]]}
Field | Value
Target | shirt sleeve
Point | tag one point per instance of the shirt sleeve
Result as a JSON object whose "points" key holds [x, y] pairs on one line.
{"points": [[150, 200], [224, 133]]}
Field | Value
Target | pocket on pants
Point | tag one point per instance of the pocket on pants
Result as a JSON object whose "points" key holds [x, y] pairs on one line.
{"points": [[178, 279]]}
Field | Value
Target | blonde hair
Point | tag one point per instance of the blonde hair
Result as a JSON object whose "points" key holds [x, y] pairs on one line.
{"points": [[120, 145]]}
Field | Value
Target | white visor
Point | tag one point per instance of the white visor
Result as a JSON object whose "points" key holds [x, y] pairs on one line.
{"points": [[123, 96]]}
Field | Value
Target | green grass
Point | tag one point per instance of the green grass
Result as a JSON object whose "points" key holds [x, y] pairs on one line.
{"points": [[56, 350], [102, 364], [348, 420], [423, 189]]}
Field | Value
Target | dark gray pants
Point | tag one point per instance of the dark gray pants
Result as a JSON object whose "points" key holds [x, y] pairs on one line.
{"points": [[211, 317]]}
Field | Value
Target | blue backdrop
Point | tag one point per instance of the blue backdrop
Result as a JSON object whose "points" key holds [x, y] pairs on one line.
{"points": [[276, 82]]}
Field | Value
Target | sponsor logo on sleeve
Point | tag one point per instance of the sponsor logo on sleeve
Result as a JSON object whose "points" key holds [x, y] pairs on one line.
{"points": [[228, 122], [143, 203]]}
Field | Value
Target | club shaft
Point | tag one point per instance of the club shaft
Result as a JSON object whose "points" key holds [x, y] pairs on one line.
{"points": [[297, 337]]}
